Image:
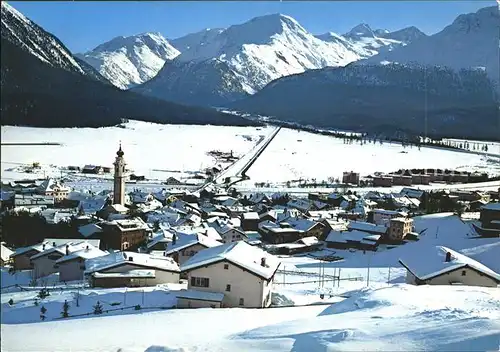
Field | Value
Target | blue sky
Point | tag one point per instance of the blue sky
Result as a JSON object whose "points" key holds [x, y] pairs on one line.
{"points": [[83, 25]]}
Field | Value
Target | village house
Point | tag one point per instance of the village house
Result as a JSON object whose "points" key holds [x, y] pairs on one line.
{"points": [[383, 217], [124, 234], [92, 169], [184, 247], [232, 275], [401, 180], [350, 177], [231, 234], [354, 239], [490, 221], [21, 256], [115, 211], [33, 201], [399, 228], [444, 266], [382, 181], [250, 221], [367, 227], [278, 233], [420, 179], [130, 269], [72, 266], [50, 187], [306, 244], [44, 263], [309, 228]]}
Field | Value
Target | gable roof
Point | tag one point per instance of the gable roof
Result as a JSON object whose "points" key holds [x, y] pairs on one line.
{"points": [[184, 241], [71, 246], [239, 253], [138, 259], [5, 252], [86, 253], [367, 227], [435, 265]]}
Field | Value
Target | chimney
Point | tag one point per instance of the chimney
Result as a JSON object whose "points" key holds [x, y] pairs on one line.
{"points": [[43, 247], [174, 239], [448, 257], [263, 262], [130, 259], [53, 244], [87, 248], [67, 249]]}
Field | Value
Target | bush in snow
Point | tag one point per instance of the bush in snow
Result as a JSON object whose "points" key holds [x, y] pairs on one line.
{"points": [[65, 311], [43, 310], [137, 307], [36, 302], [43, 293], [98, 308]]}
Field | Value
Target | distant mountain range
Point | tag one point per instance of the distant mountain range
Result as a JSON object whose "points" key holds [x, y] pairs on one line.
{"points": [[271, 63], [43, 84], [253, 54]]}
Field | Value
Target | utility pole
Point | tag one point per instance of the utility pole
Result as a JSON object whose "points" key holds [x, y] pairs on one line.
{"points": [[389, 276]]}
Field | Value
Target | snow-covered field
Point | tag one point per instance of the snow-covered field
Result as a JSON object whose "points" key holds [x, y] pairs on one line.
{"points": [[376, 313], [147, 146], [320, 157], [291, 155]]}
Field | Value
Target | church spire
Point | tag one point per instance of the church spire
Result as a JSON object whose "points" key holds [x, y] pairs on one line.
{"points": [[120, 151]]}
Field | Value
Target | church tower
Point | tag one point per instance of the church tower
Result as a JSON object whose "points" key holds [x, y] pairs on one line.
{"points": [[119, 179]]}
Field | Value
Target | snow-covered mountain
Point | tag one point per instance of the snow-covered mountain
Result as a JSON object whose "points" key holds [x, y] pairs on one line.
{"points": [[43, 85], [366, 42], [196, 39], [470, 41], [257, 52], [27, 35], [210, 82], [128, 61]]}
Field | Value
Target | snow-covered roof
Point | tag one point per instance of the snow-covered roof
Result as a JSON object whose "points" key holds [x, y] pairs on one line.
{"points": [[201, 295], [131, 274], [435, 264], [239, 253], [86, 253], [68, 247], [491, 206], [89, 229], [302, 224], [251, 216], [388, 212], [184, 241], [308, 241], [5, 252], [367, 227], [139, 259], [129, 224]]}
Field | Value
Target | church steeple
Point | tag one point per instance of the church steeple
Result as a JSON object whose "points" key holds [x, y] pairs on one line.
{"points": [[119, 178]]}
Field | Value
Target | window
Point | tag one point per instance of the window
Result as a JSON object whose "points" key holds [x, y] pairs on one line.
{"points": [[464, 273], [226, 266], [228, 288], [242, 301], [200, 281]]}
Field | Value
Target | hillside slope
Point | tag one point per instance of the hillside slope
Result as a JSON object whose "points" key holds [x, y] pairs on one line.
{"points": [[383, 99]]}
